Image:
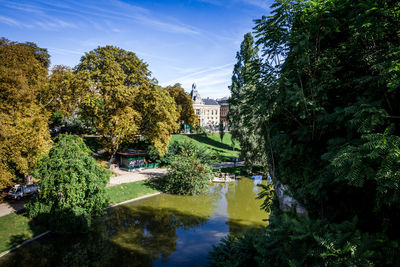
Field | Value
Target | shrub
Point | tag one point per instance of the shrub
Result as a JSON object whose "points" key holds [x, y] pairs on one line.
{"points": [[72, 187], [203, 154], [187, 176]]}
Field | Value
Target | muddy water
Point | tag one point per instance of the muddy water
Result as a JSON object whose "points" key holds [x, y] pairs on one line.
{"points": [[165, 230]]}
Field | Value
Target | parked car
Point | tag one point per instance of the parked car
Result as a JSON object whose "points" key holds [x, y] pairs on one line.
{"points": [[20, 191]]}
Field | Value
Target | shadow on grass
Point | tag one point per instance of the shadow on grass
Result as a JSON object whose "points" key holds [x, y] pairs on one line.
{"points": [[158, 184], [16, 240], [206, 140]]}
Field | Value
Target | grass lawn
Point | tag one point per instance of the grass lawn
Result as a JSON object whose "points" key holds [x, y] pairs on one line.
{"points": [[212, 142], [15, 228], [123, 192]]}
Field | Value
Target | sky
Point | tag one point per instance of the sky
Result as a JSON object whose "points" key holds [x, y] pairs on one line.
{"points": [[186, 41]]}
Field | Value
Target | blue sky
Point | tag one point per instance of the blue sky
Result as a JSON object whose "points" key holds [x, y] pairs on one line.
{"points": [[182, 41]]}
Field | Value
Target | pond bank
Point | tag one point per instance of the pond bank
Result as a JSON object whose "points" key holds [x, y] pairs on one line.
{"points": [[15, 224], [172, 230]]}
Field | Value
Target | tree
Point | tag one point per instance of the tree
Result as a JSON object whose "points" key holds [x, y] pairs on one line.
{"points": [[72, 187], [159, 117], [184, 105], [221, 131], [328, 92], [115, 77], [24, 133], [187, 176], [66, 90], [244, 118], [122, 103]]}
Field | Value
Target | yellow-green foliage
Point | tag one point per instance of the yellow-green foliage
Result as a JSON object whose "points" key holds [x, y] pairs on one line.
{"points": [[184, 104], [66, 90], [158, 116], [122, 102], [24, 133]]}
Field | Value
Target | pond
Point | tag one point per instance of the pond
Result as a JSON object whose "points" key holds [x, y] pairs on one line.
{"points": [[164, 230]]}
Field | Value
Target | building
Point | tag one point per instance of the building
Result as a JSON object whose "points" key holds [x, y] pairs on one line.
{"points": [[207, 109], [224, 109]]}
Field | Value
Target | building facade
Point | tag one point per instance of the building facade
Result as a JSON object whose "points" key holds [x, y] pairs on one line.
{"points": [[224, 109], [207, 109]]}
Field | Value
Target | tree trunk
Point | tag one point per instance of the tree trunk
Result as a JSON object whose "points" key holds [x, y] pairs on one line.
{"points": [[28, 179]]}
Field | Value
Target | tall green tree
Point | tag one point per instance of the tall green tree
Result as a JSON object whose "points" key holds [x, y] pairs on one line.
{"points": [[244, 118], [72, 187], [24, 133], [221, 131], [115, 77]]}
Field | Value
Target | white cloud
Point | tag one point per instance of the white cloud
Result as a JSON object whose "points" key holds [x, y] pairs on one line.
{"points": [[13, 22], [211, 82], [258, 3], [61, 51]]}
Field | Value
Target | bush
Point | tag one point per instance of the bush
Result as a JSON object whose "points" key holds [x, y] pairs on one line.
{"points": [[187, 176], [292, 240], [72, 187], [203, 154]]}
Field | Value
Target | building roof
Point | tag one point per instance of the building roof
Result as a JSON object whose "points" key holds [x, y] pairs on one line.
{"points": [[210, 102]]}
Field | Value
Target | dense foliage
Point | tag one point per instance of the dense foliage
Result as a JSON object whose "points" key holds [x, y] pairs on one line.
{"points": [[191, 149], [328, 94], [244, 120], [184, 105], [72, 187], [122, 102], [187, 176], [24, 132]]}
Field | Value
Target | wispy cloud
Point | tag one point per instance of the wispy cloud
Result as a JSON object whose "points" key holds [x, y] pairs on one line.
{"points": [[10, 21], [50, 23], [112, 10], [166, 26], [67, 52], [258, 3], [213, 2], [210, 81], [195, 74]]}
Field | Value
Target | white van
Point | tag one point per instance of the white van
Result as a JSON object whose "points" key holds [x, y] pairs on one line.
{"points": [[20, 191]]}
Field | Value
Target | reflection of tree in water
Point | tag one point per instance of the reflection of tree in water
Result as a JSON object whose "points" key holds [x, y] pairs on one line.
{"points": [[148, 230], [241, 201], [125, 237]]}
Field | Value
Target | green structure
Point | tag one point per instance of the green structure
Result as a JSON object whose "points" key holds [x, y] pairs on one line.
{"points": [[132, 160], [186, 128]]}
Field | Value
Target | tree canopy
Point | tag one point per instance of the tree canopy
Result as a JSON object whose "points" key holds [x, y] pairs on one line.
{"points": [[72, 187], [122, 102], [24, 133], [159, 117], [244, 120], [328, 91], [184, 105]]}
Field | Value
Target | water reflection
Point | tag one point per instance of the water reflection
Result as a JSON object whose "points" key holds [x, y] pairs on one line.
{"points": [[162, 230]]}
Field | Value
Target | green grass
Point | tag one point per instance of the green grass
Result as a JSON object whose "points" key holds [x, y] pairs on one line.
{"points": [[123, 192], [15, 228], [212, 142]]}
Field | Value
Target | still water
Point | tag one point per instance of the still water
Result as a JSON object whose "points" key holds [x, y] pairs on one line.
{"points": [[164, 230]]}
